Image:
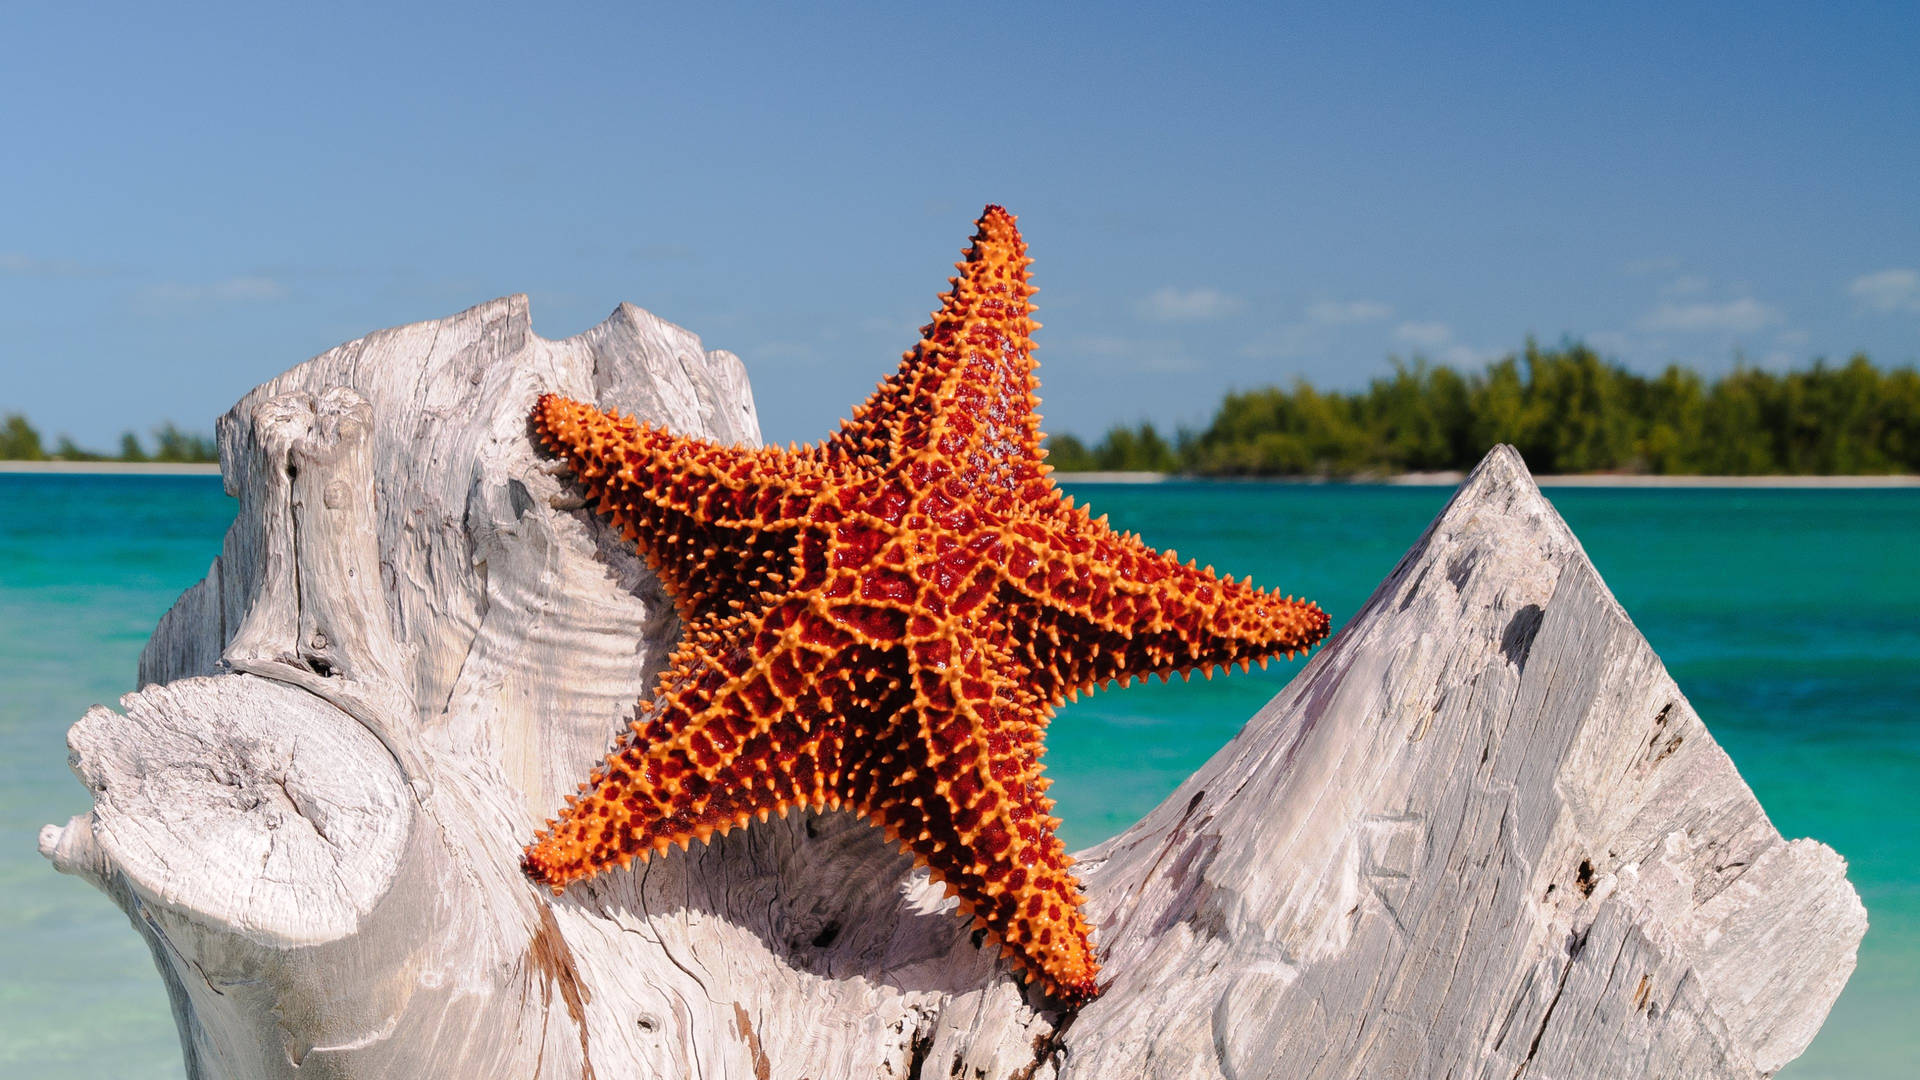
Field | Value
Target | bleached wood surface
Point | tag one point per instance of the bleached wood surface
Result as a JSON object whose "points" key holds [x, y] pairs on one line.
{"points": [[1480, 834]]}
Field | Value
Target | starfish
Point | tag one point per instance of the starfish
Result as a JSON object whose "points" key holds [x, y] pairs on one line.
{"points": [[886, 621]]}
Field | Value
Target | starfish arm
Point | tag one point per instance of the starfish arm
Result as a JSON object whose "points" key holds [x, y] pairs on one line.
{"points": [[957, 781], [1107, 607], [886, 619], [963, 400], [741, 727], [712, 521]]}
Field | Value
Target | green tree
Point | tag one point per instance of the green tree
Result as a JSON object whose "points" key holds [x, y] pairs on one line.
{"points": [[1141, 449], [174, 445], [1497, 401], [68, 450], [1067, 453], [1898, 403], [1671, 409], [1420, 417], [1734, 440], [19, 441], [1566, 408], [1573, 419]]}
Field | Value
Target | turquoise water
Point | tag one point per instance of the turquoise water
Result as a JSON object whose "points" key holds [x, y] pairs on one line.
{"points": [[1790, 618]]}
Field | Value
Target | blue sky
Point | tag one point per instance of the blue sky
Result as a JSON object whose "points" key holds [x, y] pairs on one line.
{"points": [[1216, 198]]}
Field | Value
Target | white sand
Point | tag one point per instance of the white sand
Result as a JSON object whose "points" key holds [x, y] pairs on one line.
{"points": [[1414, 479], [1452, 479], [131, 468]]}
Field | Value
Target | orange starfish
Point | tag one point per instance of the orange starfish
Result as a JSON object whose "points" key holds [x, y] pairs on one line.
{"points": [[887, 620]]}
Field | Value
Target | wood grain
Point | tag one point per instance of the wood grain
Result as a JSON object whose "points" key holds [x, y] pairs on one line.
{"points": [[1482, 833]]}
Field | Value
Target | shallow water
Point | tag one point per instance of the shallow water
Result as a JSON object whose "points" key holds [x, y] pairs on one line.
{"points": [[1791, 619]]}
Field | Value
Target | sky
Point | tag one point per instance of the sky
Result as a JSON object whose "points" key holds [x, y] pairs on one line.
{"points": [[1217, 198]]}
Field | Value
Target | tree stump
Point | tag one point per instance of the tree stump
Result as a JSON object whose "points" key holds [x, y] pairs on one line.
{"points": [[1481, 833]]}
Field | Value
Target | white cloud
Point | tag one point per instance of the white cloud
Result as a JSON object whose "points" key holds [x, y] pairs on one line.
{"points": [[248, 288], [1188, 305], [1896, 289], [1685, 285], [17, 264], [1344, 312], [232, 290], [1466, 356], [1741, 316], [1425, 335]]}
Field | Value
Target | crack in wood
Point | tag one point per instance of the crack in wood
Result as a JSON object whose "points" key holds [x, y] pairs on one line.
{"points": [[1257, 850]]}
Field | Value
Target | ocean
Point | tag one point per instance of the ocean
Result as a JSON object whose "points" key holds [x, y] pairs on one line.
{"points": [[1790, 618]]}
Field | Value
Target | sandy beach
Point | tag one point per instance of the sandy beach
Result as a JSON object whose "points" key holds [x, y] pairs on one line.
{"points": [[1452, 479], [1415, 479], [112, 468]]}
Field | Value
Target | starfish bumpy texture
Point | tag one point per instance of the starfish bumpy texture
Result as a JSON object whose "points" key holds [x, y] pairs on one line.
{"points": [[886, 621]]}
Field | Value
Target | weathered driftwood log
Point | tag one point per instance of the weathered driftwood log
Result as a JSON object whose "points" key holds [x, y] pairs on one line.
{"points": [[1480, 834]]}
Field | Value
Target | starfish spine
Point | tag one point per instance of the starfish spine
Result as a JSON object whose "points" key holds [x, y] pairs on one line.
{"points": [[886, 621]]}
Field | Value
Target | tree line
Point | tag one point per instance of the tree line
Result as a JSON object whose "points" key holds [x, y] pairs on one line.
{"points": [[19, 441], [1565, 409]]}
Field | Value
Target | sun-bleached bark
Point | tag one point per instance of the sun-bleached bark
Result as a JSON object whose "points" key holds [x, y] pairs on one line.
{"points": [[1481, 833]]}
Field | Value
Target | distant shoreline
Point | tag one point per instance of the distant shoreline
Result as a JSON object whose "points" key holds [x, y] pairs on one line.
{"points": [[1414, 479], [1453, 479], [113, 468]]}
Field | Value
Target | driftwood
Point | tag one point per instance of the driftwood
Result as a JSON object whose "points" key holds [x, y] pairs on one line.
{"points": [[1481, 833]]}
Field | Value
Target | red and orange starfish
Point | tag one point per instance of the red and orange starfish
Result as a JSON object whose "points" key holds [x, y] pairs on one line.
{"points": [[887, 620]]}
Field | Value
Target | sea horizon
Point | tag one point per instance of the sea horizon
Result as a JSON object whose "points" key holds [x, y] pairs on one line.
{"points": [[1443, 478]]}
